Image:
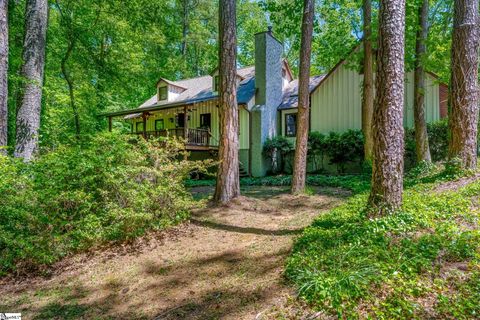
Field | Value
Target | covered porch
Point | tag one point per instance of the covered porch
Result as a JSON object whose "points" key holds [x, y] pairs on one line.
{"points": [[196, 123], [195, 139]]}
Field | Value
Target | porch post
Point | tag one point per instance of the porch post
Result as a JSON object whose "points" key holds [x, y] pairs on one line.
{"points": [[185, 126], [144, 117], [110, 124]]}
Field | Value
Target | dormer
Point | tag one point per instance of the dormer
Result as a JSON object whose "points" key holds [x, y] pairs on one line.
{"points": [[168, 90]]}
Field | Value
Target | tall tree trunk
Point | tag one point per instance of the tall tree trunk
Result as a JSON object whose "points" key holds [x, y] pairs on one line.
{"points": [[368, 92], [70, 84], [300, 162], [28, 116], [421, 136], [387, 175], [3, 76], [71, 40], [228, 180], [464, 87], [185, 25]]}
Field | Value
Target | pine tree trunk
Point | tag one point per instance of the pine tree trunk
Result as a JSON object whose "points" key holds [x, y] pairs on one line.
{"points": [[421, 136], [228, 180], [368, 92], [28, 116], [3, 76], [300, 161], [464, 87], [387, 175]]}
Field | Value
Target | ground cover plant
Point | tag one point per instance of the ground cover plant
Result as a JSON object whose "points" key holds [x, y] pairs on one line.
{"points": [[354, 183], [422, 262], [107, 189]]}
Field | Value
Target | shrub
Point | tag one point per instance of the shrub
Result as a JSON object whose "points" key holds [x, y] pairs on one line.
{"points": [[317, 147], [344, 148], [276, 149], [106, 189]]}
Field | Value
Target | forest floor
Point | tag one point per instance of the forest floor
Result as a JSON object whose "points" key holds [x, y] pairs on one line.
{"points": [[226, 263]]}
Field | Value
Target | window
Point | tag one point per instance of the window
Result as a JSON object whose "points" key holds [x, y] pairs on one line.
{"points": [[291, 124], [206, 120], [216, 84], [180, 120], [162, 93], [139, 127], [159, 125]]}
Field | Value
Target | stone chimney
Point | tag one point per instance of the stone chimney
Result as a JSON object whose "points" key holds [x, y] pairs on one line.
{"points": [[269, 93], [268, 69]]}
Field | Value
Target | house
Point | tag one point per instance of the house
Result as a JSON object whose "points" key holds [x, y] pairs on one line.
{"points": [[267, 97]]}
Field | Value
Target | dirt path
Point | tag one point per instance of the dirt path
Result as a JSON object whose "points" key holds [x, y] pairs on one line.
{"points": [[226, 264]]}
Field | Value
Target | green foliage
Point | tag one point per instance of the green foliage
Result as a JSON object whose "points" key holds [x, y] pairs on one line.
{"points": [[340, 148], [347, 264], [437, 139], [74, 197], [317, 147], [276, 149], [343, 148], [353, 183]]}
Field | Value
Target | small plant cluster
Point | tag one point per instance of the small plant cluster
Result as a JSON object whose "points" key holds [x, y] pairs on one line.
{"points": [[340, 149], [388, 268], [277, 149], [107, 189]]}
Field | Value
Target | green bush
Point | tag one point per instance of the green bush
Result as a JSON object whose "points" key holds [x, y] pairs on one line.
{"points": [[74, 197], [339, 148], [437, 139], [276, 150], [317, 148]]}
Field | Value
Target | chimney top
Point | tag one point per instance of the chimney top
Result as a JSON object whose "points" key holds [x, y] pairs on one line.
{"points": [[269, 29]]}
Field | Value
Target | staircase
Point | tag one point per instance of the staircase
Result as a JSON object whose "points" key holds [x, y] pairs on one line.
{"points": [[242, 172]]}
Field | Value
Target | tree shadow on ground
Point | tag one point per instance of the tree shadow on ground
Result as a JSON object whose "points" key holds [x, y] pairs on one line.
{"points": [[250, 230]]}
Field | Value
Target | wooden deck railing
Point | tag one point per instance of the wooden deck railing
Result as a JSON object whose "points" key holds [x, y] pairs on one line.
{"points": [[193, 137]]}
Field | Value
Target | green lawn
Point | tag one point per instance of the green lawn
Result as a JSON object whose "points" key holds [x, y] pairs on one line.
{"points": [[422, 262]]}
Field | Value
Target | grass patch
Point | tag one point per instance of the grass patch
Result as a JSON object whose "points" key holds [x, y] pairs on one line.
{"points": [[398, 266]]}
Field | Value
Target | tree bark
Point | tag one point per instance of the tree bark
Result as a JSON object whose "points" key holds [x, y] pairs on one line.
{"points": [[301, 147], [368, 92], [70, 84], [3, 76], [72, 40], [28, 116], [388, 133], [228, 180], [421, 136], [464, 84]]}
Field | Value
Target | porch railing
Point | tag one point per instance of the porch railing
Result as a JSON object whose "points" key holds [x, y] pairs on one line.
{"points": [[193, 137]]}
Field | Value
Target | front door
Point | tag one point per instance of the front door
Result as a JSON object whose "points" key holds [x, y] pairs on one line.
{"points": [[180, 120]]}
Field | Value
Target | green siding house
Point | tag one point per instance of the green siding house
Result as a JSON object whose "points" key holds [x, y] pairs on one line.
{"points": [[267, 97]]}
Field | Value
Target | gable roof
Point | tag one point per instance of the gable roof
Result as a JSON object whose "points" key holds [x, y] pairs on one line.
{"points": [[342, 61], [172, 83]]}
